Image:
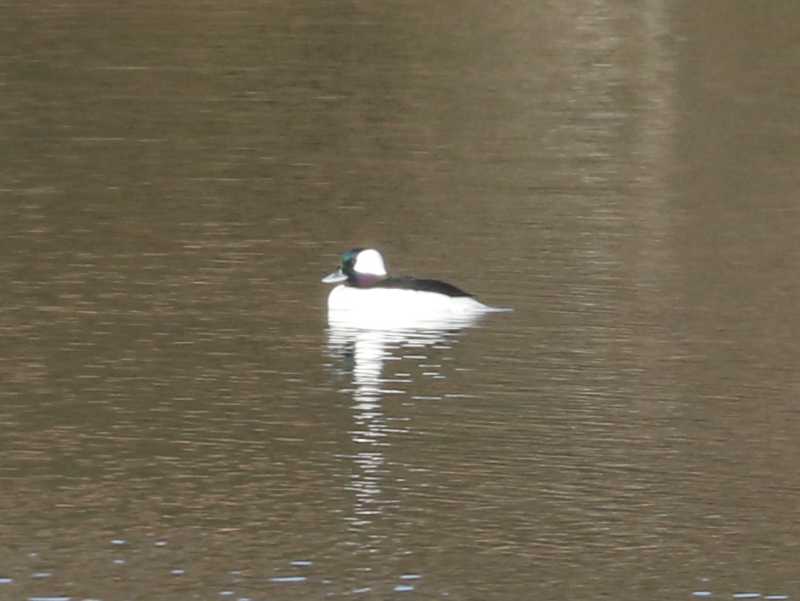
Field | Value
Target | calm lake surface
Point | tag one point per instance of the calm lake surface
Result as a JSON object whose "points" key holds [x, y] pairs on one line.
{"points": [[178, 419]]}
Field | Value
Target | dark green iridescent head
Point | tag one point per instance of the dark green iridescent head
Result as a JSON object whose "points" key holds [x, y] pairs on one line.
{"points": [[359, 267], [348, 265]]}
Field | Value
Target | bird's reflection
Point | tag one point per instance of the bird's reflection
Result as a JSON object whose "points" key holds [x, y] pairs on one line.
{"points": [[359, 353]]}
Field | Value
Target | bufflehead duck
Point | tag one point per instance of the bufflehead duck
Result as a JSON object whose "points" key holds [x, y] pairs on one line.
{"points": [[365, 288]]}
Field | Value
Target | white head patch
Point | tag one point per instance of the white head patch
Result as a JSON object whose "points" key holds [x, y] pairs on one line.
{"points": [[370, 262]]}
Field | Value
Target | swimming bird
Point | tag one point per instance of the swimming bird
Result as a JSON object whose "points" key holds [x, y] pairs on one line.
{"points": [[365, 288]]}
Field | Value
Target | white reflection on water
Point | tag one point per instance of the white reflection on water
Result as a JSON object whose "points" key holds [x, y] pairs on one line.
{"points": [[360, 353]]}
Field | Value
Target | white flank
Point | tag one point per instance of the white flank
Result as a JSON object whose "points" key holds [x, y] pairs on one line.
{"points": [[393, 307]]}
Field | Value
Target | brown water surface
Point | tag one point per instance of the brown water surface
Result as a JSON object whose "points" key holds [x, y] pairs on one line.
{"points": [[180, 422]]}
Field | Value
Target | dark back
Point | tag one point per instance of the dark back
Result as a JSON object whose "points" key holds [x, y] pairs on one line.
{"points": [[409, 283]]}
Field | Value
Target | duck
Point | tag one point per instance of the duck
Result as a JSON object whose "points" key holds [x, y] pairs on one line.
{"points": [[365, 288]]}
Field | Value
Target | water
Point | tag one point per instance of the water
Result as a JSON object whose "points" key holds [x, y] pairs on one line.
{"points": [[179, 420]]}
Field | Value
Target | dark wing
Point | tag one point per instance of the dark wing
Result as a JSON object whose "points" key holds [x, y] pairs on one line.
{"points": [[409, 283]]}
